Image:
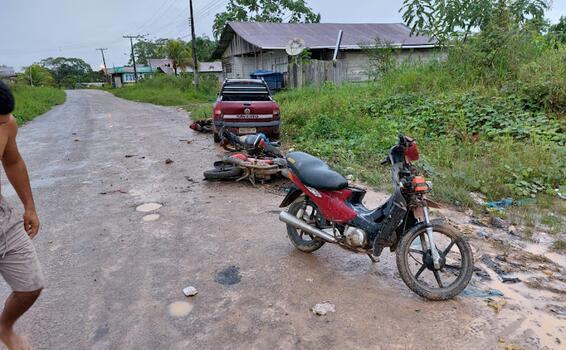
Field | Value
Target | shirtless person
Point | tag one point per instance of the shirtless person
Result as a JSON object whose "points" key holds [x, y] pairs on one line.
{"points": [[18, 260]]}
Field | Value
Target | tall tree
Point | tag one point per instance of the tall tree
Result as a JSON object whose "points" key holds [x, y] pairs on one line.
{"points": [[558, 31], [446, 19], [294, 11], [36, 75], [146, 49], [179, 54], [68, 71]]}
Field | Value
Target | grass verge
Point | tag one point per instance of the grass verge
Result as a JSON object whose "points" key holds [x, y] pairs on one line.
{"points": [[173, 91], [34, 101]]}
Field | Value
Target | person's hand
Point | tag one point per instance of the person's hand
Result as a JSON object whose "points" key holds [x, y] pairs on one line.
{"points": [[31, 223]]}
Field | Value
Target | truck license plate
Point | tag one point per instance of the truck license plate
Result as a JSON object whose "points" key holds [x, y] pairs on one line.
{"points": [[247, 131]]}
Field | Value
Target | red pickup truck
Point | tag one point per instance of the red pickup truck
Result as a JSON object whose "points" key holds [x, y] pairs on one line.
{"points": [[245, 106]]}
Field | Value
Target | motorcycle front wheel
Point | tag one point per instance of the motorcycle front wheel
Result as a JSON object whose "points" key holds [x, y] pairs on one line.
{"points": [[303, 241], [416, 267]]}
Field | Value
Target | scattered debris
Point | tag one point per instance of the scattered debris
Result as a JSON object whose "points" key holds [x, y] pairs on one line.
{"points": [[77, 140], [482, 234], [130, 155], [168, 161], [501, 204], [478, 198], [202, 126], [483, 275], [190, 291], [499, 223], [323, 308], [190, 179], [496, 303], [475, 292], [509, 279], [512, 230], [503, 345], [187, 141], [479, 222], [114, 191], [557, 309]]}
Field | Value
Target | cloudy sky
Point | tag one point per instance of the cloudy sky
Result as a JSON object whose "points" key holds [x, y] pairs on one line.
{"points": [[35, 29]]}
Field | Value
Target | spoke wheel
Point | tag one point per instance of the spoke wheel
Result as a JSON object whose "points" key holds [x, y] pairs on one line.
{"points": [[303, 241], [416, 264]]}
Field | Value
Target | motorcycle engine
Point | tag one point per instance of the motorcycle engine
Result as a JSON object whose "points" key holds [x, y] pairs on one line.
{"points": [[355, 237]]}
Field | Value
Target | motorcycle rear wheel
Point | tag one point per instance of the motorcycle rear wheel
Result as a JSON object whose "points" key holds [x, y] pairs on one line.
{"points": [[456, 258], [302, 240]]}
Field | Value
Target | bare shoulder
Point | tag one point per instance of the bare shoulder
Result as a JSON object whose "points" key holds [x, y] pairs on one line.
{"points": [[8, 126]]}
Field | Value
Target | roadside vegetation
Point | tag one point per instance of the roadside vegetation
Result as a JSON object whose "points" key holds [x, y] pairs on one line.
{"points": [[490, 119], [32, 101], [177, 91]]}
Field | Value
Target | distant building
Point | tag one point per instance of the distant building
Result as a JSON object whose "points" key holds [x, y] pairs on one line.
{"points": [[246, 47], [125, 75], [165, 65], [7, 72]]}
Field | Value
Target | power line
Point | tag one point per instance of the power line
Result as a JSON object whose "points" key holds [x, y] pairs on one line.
{"points": [[132, 37], [104, 62], [194, 44]]}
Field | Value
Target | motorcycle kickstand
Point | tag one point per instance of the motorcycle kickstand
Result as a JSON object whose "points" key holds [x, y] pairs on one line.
{"points": [[373, 260]]}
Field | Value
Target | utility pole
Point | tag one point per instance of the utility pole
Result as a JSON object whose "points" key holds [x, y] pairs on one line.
{"points": [[131, 37], [104, 63], [194, 45]]}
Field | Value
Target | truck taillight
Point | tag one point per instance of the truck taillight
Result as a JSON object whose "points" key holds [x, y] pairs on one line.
{"points": [[217, 113], [276, 113]]}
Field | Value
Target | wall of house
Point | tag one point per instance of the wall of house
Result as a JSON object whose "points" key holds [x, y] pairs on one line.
{"points": [[243, 66]]}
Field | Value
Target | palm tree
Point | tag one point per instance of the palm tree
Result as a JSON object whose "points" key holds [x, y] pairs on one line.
{"points": [[179, 54]]}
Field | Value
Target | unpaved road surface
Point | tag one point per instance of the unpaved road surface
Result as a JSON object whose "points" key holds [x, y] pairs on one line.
{"points": [[115, 280]]}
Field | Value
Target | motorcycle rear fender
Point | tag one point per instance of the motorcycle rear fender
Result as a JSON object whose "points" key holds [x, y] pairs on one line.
{"points": [[292, 195]]}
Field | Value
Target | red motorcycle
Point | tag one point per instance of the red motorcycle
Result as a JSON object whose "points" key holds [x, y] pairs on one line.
{"points": [[432, 259]]}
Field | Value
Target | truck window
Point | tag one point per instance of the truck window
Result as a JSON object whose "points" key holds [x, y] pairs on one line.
{"points": [[245, 92]]}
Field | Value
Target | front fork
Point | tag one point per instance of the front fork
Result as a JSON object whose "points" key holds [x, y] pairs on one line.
{"points": [[430, 236]]}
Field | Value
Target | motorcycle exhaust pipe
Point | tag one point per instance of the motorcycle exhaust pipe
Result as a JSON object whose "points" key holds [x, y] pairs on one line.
{"points": [[302, 225]]}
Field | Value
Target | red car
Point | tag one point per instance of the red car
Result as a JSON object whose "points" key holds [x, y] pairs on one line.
{"points": [[245, 106]]}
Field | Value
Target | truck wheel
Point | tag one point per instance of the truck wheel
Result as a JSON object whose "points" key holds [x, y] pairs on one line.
{"points": [[216, 138]]}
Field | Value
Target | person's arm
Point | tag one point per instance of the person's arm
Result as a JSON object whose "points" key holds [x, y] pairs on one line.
{"points": [[17, 173]]}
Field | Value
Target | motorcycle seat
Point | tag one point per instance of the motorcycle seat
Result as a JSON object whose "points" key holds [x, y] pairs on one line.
{"points": [[314, 172]]}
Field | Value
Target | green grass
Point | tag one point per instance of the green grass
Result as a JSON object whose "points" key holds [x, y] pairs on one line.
{"points": [[34, 101], [172, 91], [500, 138]]}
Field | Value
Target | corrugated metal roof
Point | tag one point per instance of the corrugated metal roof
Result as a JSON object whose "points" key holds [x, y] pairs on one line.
{"points": [[322, 35]]}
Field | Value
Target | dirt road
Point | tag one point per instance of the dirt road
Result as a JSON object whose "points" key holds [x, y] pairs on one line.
{"points": [[115, 280]]}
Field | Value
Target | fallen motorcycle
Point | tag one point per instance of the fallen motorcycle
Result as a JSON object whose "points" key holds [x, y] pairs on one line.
{"points": [[240, 167], [259, 161], [257, 145], [432, 259]]}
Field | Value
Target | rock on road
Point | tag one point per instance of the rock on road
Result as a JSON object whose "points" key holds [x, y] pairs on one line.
{"points": [[115, 280]]}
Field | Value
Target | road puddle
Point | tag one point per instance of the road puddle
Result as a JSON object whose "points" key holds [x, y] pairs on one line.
{"points": [[147, 207], [151, 217], [180, 309], [546, 327], [228, 276]]}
